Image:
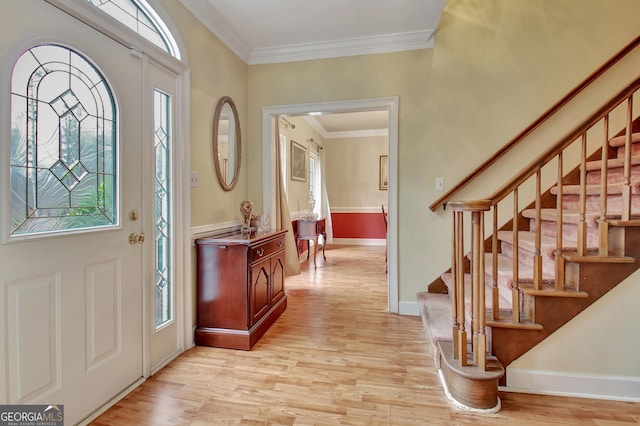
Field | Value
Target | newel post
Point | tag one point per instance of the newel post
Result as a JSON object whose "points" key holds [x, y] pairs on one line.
{"points": [[476, 300]]}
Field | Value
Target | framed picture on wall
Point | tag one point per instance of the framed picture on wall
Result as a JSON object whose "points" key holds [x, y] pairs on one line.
{"points": [[384, 172], [298, 162]]}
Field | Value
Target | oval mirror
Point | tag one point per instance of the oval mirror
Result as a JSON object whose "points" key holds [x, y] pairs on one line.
{"points": [[227, 143]]}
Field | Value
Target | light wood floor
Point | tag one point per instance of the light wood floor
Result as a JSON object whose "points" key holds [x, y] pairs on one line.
{"points": [[335, 357]]}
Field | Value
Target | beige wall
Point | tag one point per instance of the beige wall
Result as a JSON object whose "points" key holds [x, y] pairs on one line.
{"points": [[215, 71], [352, 172], [404, 74]]}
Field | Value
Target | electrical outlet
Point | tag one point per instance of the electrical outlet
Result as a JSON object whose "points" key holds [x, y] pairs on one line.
{"points": [[439, 184], [195, 179]]}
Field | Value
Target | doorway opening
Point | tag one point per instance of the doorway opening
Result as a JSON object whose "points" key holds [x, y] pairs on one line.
{"points": [[270, 150]]}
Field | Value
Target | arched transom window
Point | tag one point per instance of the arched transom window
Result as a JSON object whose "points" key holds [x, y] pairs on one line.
{"points": [[63, 143], [141, 18]]}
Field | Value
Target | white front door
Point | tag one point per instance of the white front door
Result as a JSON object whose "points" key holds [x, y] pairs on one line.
{"points": [[71, 329]]}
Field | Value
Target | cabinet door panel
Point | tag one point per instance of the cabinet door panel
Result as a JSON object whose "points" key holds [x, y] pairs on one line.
{"points": [[260, 296], [277, 277]]}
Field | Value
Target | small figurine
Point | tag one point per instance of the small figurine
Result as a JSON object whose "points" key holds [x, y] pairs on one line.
{"points": [[246, 208]]}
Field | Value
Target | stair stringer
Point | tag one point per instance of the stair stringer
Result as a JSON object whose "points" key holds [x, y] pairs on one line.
{"points": [[596, 278]]}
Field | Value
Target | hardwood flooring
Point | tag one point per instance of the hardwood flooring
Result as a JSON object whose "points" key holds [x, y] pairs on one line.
{"points": [[335, 357]]}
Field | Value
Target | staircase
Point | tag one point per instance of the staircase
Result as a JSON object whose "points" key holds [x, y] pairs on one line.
{"points": [[559, 254]]}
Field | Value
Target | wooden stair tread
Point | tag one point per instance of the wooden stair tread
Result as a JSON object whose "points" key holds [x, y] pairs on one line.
{"points": [[507, 322], [505, 272], [504, 302], [620, 222], [568, 216], [595, 189], [597, 259], [527, 241], [619, 141], [612, 163], [554, 293]]}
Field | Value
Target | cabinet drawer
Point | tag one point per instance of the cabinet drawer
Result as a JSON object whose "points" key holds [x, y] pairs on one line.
{"points": [[264, 250]]}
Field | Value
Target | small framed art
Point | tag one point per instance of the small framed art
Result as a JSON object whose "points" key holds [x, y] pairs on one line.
{"points": [[384, 172], [298, 162]]}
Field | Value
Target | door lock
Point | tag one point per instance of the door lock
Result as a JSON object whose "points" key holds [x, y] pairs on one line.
{"points": [[136, 238]]}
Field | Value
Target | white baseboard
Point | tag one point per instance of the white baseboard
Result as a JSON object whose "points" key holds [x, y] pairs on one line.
{"points": [[614, 388], [409, 308], [360, 241]]}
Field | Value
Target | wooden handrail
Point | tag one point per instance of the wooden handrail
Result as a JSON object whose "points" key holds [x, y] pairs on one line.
{"points": [[553, 151], [537, 123]]}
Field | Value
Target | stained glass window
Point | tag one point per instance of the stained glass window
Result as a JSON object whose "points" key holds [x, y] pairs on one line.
{"points": [[139, 17], [63, 143], [164, 288]]}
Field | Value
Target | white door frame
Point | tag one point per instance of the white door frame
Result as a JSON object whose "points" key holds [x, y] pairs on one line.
{"points": [[269, 151]]}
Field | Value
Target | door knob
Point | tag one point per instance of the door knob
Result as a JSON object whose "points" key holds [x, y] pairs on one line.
{"points": [[136, 238]]}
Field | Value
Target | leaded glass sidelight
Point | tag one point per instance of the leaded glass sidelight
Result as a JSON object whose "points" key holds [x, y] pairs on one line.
{"points": [[63, 143], [164, 290]]}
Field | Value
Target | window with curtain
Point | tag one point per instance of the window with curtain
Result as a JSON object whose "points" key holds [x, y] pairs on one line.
{"points": [[315, 182]]}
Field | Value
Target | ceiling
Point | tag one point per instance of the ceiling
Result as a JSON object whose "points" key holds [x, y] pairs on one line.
{"points": [[260, 32], [350, 124]]}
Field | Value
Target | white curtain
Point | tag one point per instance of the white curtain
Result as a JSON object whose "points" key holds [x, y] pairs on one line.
{"points": [[326, 209], [283, 218]]}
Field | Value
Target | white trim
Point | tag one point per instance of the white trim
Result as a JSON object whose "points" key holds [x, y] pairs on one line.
{"points": [[367, 209], [389, 104], [100, 21], [315, 124], [210, 18], [384, 43], [409, 308], [213, 229], [613, 388], [359, 241]]}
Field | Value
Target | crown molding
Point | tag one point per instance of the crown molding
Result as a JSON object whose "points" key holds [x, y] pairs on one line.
{"points": [[315, 124], [385, 43], [210, 18]]}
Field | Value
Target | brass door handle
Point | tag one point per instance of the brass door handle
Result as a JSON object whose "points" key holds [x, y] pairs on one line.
{"points": [[136, 238]]}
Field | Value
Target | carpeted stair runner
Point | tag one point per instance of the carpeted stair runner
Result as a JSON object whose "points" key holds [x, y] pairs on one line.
{"points": [[436, 309]]}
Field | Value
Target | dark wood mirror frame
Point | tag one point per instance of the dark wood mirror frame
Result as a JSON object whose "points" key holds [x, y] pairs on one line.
{"points": [[226, 185]]}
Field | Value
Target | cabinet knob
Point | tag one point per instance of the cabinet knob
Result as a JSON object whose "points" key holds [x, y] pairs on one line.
{"points": [[260, 252], [279, 244]]}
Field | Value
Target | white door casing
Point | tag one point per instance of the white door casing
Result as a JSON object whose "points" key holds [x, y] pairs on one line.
{"points": [[269, 151]]}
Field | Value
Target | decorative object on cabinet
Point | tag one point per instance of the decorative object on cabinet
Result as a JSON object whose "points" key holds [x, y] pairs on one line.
{"points": [[298, 162], [240, 289], [226, 143], [246, 209], [384, 173]]}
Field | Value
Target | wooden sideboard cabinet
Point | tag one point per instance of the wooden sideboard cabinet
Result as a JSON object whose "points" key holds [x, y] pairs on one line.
{"points": [[240, 288]]}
